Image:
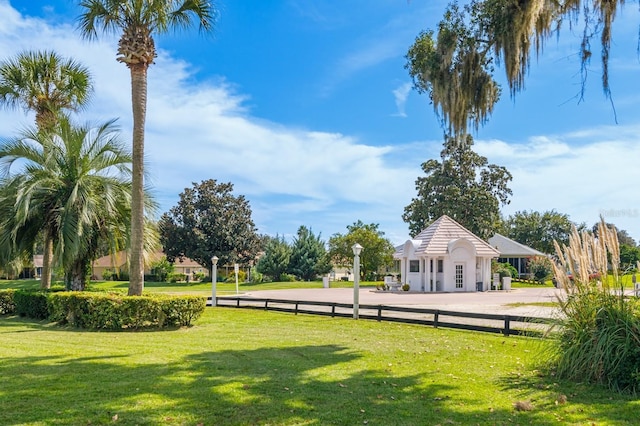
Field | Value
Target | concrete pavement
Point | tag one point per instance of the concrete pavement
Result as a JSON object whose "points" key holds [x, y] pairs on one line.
{"points": [[499, 302]]}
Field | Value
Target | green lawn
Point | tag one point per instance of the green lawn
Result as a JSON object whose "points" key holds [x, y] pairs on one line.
{"points": [[247, 367], [191, 288]]}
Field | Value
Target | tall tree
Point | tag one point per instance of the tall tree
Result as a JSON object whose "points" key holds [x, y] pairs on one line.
{"points": [[454, 64], [209, 220], [137, 21], [49, 85], [539, 230], [276, 258], [463, 186], [377, 252], [73, 182], [308, 256]]}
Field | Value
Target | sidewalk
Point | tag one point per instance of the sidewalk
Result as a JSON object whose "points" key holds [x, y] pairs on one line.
{"points": [[498, 302]]}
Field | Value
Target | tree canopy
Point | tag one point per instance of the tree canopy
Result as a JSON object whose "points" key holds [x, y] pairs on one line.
{"points": [[308, 255], [454, 64], [275, 260], [539, 230], [463, 186], [209, 220], [377, 252], [73, 182]]}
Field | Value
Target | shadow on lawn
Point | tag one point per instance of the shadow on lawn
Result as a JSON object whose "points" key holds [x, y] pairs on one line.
{"points": [[271, 385]]}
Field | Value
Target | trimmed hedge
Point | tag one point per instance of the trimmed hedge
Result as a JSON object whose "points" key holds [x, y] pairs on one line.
{"points": [[109, 311], [7, 305], [31, 303]]}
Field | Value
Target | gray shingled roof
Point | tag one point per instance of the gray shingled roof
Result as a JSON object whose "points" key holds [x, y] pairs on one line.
{"points": [[435, 239], [510, 248]]}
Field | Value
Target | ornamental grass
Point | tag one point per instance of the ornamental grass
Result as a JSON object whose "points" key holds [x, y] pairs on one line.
{"points": [[599, 341]]}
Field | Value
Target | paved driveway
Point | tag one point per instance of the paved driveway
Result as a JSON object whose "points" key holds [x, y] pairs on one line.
{"points": [[499, 302]]}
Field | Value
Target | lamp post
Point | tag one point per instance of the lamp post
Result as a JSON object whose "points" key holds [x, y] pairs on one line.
{"points": [[214, 280], [357, 248], [236, 268]]}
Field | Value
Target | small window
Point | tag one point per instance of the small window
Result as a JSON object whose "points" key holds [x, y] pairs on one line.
{"points": [[414, 266], [440, 265]]}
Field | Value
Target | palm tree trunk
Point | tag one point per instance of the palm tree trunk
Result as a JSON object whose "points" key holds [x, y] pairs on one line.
{"points": [[77, 277], [139, 104], [47, 261]]}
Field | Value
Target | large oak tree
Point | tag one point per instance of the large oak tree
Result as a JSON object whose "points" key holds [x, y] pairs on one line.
{"points": [[463, 186]]}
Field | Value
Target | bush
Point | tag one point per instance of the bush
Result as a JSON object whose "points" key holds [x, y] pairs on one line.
{"points": [[109, 311], [31, 303], [505, 270], [7, 305], [287, 278], [231, 278], [541, 268], [177, 277], [406, 287]]}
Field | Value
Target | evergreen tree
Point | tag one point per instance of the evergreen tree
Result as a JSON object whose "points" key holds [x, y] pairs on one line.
{"points": [[275, 260], [308, 255]]}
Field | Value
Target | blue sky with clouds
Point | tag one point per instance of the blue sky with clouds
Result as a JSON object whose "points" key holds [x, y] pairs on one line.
{"points": [[305, 106]]}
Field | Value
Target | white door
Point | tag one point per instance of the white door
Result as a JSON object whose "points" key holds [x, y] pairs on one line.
{"points": [[459, 276]]}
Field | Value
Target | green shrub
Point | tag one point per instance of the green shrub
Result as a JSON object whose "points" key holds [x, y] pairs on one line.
{"points": [[287, 278], [504, 269], [177, 277], [7, 305], [110, 311], [31, 303], [540, 267]]}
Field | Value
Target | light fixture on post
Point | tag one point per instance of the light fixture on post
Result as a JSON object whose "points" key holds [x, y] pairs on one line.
{"points": [[357, 248], [214, 280]]}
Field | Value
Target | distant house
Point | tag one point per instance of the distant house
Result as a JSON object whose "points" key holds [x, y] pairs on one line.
{"points": [[118, 264], [446, 257], [514, 253]]}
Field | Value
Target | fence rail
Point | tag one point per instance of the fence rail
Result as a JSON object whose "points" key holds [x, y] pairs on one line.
{"points": [[491, 323]]}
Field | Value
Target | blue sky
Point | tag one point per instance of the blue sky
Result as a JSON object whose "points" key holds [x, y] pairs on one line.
{"points": [[305, 106]]}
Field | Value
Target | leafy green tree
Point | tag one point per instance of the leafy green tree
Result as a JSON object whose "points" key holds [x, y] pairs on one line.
{"points": [[308, 256], [463, 186], [276, 258], [209, 220], [74, 183], [137, 22], [539, 230], [49, 85], [629, 256], [541, 268], [162, 269], [454, 65], [377, 252]]}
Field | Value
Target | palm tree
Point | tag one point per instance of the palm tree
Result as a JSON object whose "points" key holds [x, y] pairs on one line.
{"points": [[48, 84], [137, 21], [74, 182]]}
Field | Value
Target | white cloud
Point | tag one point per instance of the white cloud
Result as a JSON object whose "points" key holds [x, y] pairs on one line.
{"points": [[598, 175], [401, 93], [201, 130]]}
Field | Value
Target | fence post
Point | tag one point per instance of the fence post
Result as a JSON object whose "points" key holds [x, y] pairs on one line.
{"points": [[266, 304], [507, 325], [435, 319], [296, 308], [333, 310], [379, 313], [238, 302]]}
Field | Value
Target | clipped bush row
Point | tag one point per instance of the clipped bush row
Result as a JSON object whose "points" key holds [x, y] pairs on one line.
{"points": [[108, 311], [7, 305], [104, 311]]}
